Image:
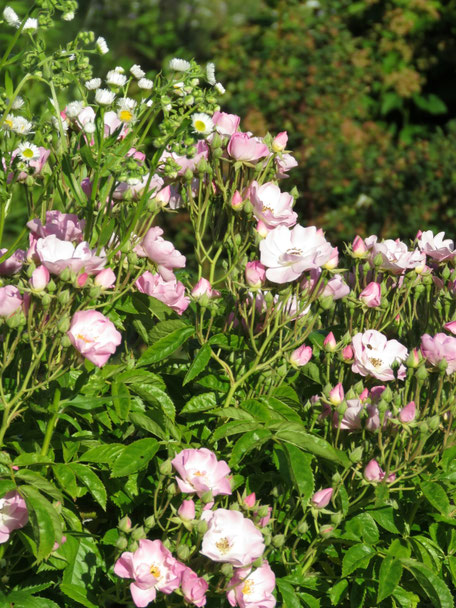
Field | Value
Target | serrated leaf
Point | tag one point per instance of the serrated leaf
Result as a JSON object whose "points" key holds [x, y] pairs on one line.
{"points": [[77, 593], [45, 521], [435, 588], [338, 591], [29, 458], [289, 597], [362, 527], [154, 394], [389, 577], [356, 557], [234, 428], [199, 363], [6, 485], [66, 478], [436, 496], [200, 403], [148, 424], [384, 516], [135, 457], [102, 454], [91, 481], [293, 433], [166, 346], [121, 399], [38, 481], [251, 440], [300, 471], [281, 409]]}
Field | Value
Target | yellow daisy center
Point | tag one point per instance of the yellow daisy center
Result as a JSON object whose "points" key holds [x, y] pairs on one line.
{"points": [[125, 115], [200, 125], [28, 153]]}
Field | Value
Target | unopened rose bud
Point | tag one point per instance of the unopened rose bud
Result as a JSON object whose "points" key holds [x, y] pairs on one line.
{"points": [[322, 498], [183, 552], [278, 540], [166, 468], [187, 510], [255, 274], [451, 326], [326, 530], [347, 353], [336, 395], [262, 229], [301, 356], [133, 546], [236, 201], [249, 501], [149, 522], [408, 413], [329, 343], [359, 248], [64, 297], [434, 423], [303, 527], [40, 278], [226, 570], [333, 260], [207, 497], [421, 373], [65, 275], [371, 295], [203, 290], [279, 143], [373, 472], [356, 454], [121, 543], [138, 533], [413, 360], [201, 527], [125, 524]]}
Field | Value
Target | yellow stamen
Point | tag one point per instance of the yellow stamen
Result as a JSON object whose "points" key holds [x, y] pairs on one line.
{"points": [[199, 125], [155, 571], [125, 115], [223, 545], [248, 587]]}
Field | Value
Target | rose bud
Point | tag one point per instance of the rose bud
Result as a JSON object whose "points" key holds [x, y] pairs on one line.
{"points": [[359, 247], [336, 395], [301, 356], [255, 274], [187, 510], [321, 498], [373, 472], [408, 413], [105, 279], [40, 278], [236, 201], [279, 143], [371, 295], [329, 343], [250, 500]]}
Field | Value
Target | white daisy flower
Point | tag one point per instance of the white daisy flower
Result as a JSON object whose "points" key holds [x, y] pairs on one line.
{"points": [[126, 109], [202, 124], [90, 128], [68, 16], [179, 65], [118, 80], [10, 16], [73, 109], [220, 88], [126, 103], [92, 84], [104, 97], [119, 69], [30, 24], [210, 73], [28, 151], [101, 45], [145, 83], [137, 72], [21, 125], [9, 122], [18, 102]]}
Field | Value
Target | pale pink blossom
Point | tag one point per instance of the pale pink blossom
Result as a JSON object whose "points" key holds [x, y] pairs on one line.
{"points": [[288, 253], [200, 472], [255, 274], [262, 229], [40, 278], [321, 499], [37, 164], [374, 355], [226, 124], [450, 326], [436, 247], [65, 226], [57, 255], [271, 206], [396, 257], [10, 300], [13, 264], [231, 538], [187, 510], [440, 348], [193, 587], [236, 200], [171, 293], [162, 253], [279, 143], [347, 353], [94, 336], [337, 394], [408, 413], [351, 420], [374, 473], [105, 279], [153, 569], [284, 162], [135, 188], [371, 295], [301, 356], [336, 288], [250, 500], [252, 588], [242, 147], [13, 514]]}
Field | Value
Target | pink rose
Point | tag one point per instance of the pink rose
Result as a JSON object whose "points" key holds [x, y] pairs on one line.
{"points": [[371, 295], [436, 247], [374, 473], [65, 226], [252, 589], [440, 348], [337, 394], [226, 124], [135, 187], [359, 247], [200, 472], [13, 514], [395, 255], [162, 253], [336, 287], [10, 300], [202, 152], [231, 538], [105, 279], [242, 147], [250, 500], [13, 264], [255, 274], [57, 255], [321, 499], [204, 289], [374, 355], [329, 343], [450, 326], [94, 336], [301, 356], [284, 163], [288, 253], [271, 206], [279, 143], [193, 587], [153, 569], [171, 293]]}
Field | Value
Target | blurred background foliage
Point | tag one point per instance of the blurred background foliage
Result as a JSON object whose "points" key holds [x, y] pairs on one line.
{"points": [[365, 90]]}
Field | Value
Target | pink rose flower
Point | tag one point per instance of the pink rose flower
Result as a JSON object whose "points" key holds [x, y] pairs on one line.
{"points": [[200, 472], [193, 587], [359, 247], [13, 264], [204, 288], [321, 499], [162, 253], [450, 326], [284, 163], [187, 510], [374, 473], [226, 124], [440, 348], [13, 514], [242, 147], [65, 226], [153, 569], [10, 300], [336, 287], [231, 538], [94, 336], [202, 152], [337, 394], [135, 187], [252, 589], [37, 164], [408, 413], [374, 355], [371, 295], [105, 279], [250, 500], [329, 343], [255, 274], [436, 247], [396, 257], [288, 253], [301, 356], [171, 293], [57, 255], [351, 420], [271, 206]]}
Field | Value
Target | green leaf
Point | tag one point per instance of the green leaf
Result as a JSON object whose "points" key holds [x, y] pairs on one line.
{"points": [[435, 588], [436, 495], [356, 557], [289, 597], [301, 471], [338, 591], [102, 454], [44, 519], [165, 346], [121, 399], [9, 87], [29, 458], [246, 443], [362, 527], [40, 482], [406, 599], [148, 424], [135, 457], [293, 433], [384, 516], [312, 371], [199, 363], [233, 428], [77, 593], [155, 395], [66, 479], [24, 599], [390, 101], [200, 403], [281, 409], [389, 577], [399, 548], [6, 485], [91, 481], [430, 103]]}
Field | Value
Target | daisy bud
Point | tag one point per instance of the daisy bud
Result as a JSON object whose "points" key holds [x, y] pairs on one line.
{"points": [[337, 394], [408, 413], [359, 248], [101, 45], [301, 356], [279, 143], [329, 343], [321, 498]]}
